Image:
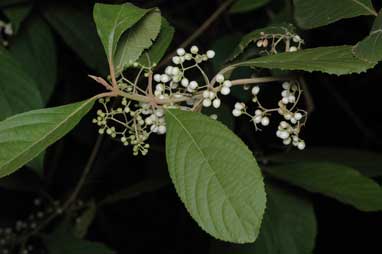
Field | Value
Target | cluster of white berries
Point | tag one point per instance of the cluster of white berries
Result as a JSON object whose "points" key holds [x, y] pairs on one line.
{"points": [[141, 110], [6, 31], [294, 119], [133, 122], [9, 235], [271, 42]]}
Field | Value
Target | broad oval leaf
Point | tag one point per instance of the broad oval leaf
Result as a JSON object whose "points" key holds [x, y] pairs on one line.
{"points": [[289, 226], [215, 175], [366, 162], [24, 136], [35, 49], [161, 44], [370, 48], [315, 13], [333, 180], [137, 39], [113, 20], [241, 6], [337, 60], [18, 91]]}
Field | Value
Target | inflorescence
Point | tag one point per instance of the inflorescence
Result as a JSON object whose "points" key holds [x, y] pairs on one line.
{"points": [[185, 85]]}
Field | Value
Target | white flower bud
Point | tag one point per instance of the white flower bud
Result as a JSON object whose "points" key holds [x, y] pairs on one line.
{"points": [[216, 103], [210, 54], [180, 52]]}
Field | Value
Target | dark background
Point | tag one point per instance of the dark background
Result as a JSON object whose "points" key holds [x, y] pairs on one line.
{"points": [[347, 114]]}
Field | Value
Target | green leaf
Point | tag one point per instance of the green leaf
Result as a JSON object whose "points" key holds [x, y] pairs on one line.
{"points": [[215, 175], [18, 91], [367, 163], [315, 13], [113, 20], [289, 227], [254, 36], [17, 14], [35, 49], [77, 29], [135, 190], [370, 48], [241, 6], [161, 44], [85, 220], [337, 60], [333, 180], [137, 39], [24, 136], [62, 241]]}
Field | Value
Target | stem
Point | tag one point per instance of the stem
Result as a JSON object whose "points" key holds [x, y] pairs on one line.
{"points": [[259, 80], [112, 73], [207, 23]]}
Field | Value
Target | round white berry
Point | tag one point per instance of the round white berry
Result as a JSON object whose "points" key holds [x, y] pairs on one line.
{"points": [[193, 85], [255, 90], [301, 145], [225, 90], [216, 103], [206, 94], [164, 78], [188, 57], [258, 112], [257, 119], [214, 116], [283, 124], [265, 121], [296, 38], [298, 116], [286, 85], [285, 100], [162, 129], [168, 70], [211, 95], [259, 43], [157, 77], [176, 60], [207, 103], [194, 50], [291, 98], [210, 54], [236, 112], [220, 78], [227, 83], [185, 82], [181, 52], [175, 71], [287, 141], [239, 105], [292, 49]]}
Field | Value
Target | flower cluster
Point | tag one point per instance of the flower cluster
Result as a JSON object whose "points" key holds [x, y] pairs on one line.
{"points": [[270, 42], [6, 31], [294, 119], [139, 111]]}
